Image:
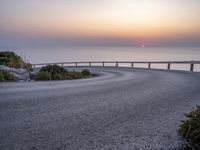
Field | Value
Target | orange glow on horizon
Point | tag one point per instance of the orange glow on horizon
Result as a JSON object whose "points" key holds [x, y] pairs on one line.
{"points": [[144, 19]]}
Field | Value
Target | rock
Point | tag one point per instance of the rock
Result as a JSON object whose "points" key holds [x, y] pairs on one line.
{"points": [[19, 74], [33, 75]]}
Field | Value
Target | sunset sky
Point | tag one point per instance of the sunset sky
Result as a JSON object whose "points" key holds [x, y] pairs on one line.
{"points": [[100, 22]]}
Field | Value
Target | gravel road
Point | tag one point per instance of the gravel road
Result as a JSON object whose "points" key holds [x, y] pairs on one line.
{"points": [[122, 109]]}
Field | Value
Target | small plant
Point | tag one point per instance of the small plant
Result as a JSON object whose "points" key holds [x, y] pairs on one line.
{"points": [[190, 129], [28, 67], [6, 76], [86, 72], [2, 79]]}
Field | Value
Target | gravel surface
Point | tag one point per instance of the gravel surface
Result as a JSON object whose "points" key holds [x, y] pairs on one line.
{"points": [[122, 109]]}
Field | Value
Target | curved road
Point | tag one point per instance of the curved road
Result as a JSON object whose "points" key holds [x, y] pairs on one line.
{"points": [[122, 109]]}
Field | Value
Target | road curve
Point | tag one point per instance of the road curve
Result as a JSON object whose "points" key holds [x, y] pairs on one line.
{"points": [[122, 109]]}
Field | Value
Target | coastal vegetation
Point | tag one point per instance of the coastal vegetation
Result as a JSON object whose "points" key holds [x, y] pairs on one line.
{"points": [[14, 68], [12, 60], [56, 72], [86, 72], [6, 76], [190, 129]]}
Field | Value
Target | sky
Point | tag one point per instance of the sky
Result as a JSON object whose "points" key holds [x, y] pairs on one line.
{"points": [[99, 22]]}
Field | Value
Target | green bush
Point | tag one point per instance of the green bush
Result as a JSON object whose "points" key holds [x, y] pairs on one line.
{"points": [[2, 79], [53, 69], [44, 76], [55, 72], [190, 128], [86, 72], [6, 76], [7, 56], [28, 67], [11, 59], [52, 72], [15, 63], [58, 77], [74, 75]]}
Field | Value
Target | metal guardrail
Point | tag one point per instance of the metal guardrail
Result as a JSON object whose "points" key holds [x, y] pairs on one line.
{"points": [[89, 63]]}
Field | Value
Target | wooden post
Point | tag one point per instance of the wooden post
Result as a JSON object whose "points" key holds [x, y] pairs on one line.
{"points": [[192, 66], [168, 66], [132, 64], [116, 64], [149, 65], [103, 64]]}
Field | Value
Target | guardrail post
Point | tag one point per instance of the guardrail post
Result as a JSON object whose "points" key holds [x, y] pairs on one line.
{"points": [[168, 66], [90, 64], [132, 64], [149, 65], [192, 66], [103, 64], [117, 64]]}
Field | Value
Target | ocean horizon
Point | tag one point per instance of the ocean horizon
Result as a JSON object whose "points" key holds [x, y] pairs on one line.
{"points": [[68, 54]]}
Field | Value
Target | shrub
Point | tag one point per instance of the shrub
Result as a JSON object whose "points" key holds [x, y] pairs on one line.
{"points": [[7, 56], [74, 75], [58, 77], [15, 63], [52, 72], [11, 59], [6, 76], [190, 128], [2, 79], [53, 69], [86, 72], [55, 72], [28, 67], [44, 76]]}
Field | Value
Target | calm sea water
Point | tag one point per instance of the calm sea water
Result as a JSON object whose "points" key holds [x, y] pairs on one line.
{"points": [[44, 55]]}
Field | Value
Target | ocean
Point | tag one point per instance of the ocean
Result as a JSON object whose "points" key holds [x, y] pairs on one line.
{"points": [[51, 55]]}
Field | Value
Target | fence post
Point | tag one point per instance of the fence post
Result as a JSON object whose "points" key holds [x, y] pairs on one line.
{"points": [[132, 64], [149, 65], [116, 64], [168, 66], [192, 66]]}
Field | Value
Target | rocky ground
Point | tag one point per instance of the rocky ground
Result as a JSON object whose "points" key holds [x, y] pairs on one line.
{"points": [[20, 74]]}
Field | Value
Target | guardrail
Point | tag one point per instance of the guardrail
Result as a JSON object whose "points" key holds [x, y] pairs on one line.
{"points": [[89, 63]]}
